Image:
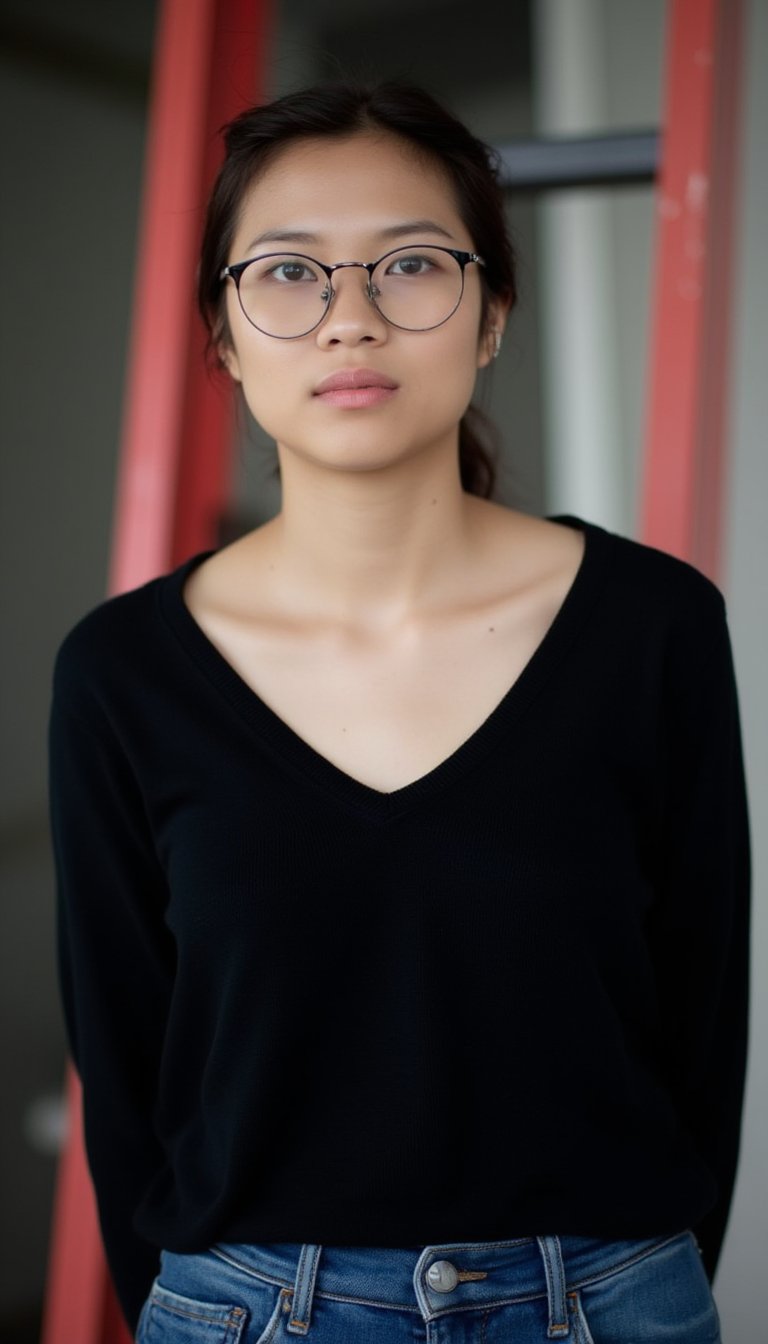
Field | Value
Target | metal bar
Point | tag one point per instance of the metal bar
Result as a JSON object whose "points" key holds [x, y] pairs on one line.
{"points": [[173, 471], [580, 161], [682, 502]]}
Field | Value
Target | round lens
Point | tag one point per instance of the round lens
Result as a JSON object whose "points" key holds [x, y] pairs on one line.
{"points": [[284, 294], [417, 287]]}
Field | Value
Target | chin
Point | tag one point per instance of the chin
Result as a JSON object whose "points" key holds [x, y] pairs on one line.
{"points": [[352, 451]]}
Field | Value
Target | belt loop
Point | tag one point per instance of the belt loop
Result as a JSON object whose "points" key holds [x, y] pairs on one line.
{"points": [[552, 1256], [303, 1290]]}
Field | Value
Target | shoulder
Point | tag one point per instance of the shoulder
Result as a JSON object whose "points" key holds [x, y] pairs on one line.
{"points": [[653, 588], [646, 581], [106, 641], [649, 565], [93, 633]]}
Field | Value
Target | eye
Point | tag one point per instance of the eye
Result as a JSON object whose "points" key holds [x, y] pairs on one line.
{"points": [[285, 271], [412, 263]]}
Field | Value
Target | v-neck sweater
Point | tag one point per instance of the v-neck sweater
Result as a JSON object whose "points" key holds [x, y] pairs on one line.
{"points": [[507, 999]]}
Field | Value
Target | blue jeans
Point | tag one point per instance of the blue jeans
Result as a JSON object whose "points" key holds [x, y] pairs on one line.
{"points": [[524, 1291]]}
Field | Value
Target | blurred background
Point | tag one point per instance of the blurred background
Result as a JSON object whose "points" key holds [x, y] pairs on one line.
{"points": [[75, 80]]}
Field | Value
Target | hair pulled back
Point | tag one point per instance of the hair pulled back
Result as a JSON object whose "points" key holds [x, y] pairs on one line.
{"points": [[336, 110]]}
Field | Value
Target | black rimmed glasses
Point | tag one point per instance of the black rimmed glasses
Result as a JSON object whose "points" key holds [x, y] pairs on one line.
{"points": [[287, 294]]}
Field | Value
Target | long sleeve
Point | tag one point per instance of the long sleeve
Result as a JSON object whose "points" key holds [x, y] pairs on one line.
{"points": [[700, 922], [115, 966]]}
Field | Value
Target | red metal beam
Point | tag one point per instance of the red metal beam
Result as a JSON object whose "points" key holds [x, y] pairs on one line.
{"points": [[684, 483], [240, 42], [77, 1284], [176, 415], [145, 500], [173, 475]]}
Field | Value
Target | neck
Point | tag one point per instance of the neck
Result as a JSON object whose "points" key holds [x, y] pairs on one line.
{"points": [[373, 549]]}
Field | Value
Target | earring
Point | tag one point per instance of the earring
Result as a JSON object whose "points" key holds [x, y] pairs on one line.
{"points": [[497, 342]]}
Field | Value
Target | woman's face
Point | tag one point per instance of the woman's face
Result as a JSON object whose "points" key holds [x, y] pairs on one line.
{"points": [[353, 200]]}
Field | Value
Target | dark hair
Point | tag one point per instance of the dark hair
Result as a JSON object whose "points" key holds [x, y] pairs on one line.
{"points": [[254, 137]]}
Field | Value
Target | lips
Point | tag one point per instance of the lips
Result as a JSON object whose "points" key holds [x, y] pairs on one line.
{"points": [[353, 379]]}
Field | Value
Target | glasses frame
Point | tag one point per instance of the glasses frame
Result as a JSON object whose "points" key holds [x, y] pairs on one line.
{"points": [[235, 272]]}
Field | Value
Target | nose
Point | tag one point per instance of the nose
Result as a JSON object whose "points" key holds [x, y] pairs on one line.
{"points": [[352, 317]]}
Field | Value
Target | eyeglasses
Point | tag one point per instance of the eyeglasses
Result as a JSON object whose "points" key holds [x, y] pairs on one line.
{"points": [[287, 294]]}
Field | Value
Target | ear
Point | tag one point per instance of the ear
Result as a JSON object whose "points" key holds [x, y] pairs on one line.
{"points": [[490, 340], [228, 357]]}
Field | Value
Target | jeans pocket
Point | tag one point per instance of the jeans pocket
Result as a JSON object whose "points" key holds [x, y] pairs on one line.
{"points": [[664, 1294], [172, 1318]]}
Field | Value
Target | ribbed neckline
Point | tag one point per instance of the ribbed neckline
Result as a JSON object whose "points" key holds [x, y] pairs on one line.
{"points": [[293, 753]]}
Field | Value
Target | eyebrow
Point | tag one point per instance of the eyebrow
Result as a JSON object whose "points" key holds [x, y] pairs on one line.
{"points": [[391, 232]]}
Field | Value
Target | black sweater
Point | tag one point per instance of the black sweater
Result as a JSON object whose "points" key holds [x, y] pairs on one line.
{"points": [[507, 999]]}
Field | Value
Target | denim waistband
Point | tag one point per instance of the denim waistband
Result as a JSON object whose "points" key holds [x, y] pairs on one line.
{"points": [[440, 1278]]}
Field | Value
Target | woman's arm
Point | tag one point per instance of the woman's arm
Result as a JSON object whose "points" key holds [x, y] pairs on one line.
{"points": [[699, 925], [116, 967]]}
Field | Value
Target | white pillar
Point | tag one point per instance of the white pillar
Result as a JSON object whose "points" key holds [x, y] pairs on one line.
{"points": [[584, 457]]}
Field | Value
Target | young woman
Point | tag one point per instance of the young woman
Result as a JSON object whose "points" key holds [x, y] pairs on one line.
{"points": [[402, 844]]}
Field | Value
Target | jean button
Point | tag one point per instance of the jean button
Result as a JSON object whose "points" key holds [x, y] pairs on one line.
{"points": [[442, 1276]]}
